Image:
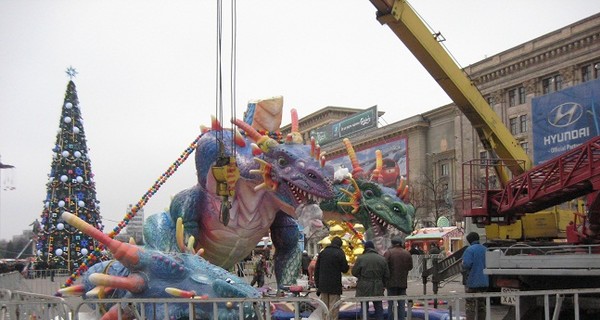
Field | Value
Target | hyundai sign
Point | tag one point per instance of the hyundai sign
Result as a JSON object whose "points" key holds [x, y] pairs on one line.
{"points": [[565, 119]]}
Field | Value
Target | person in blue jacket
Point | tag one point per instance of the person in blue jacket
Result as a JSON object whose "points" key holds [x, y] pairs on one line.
{"points": [[473, 265]]}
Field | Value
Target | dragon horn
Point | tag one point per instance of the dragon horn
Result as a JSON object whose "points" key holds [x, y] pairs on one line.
{"points": [[378, 165], [263, 141], [294, 136], [133, 283], [313, 145], [294, 120], [215, 123], [75, 291], [127, 254], [356, 168]]}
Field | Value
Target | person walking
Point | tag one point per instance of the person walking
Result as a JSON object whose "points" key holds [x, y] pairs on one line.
{"points": [[372, 273], [312, 266], [473, 265], [305, 262], [399, 262], [331, 264], [260, 269]]}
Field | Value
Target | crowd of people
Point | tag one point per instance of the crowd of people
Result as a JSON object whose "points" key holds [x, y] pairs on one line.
{"points": [[377, 273]]}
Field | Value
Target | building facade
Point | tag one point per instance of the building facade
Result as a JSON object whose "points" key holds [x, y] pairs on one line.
{"points": [[439, 141]]}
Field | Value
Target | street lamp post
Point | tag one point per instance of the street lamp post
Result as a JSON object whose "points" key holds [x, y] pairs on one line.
{"points": [[2, 166]]}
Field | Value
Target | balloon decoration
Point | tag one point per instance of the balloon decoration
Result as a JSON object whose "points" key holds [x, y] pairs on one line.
{"points": [[352, 238]]}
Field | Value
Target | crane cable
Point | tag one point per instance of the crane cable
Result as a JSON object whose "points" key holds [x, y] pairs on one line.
{"points": [[225, 170]]}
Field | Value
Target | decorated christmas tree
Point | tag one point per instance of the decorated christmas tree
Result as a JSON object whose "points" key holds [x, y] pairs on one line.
{"points": [[70, 188]]}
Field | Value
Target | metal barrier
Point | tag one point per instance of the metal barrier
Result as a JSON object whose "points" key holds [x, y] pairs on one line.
{"points": [[553, 304], [204, 309], [16, 305], [551, 301]]}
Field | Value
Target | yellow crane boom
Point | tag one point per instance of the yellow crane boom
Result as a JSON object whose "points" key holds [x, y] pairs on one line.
{"points": [[413, 32]]}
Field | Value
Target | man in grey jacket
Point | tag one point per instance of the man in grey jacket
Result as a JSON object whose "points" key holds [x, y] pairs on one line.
{"points": [[399, 262]]}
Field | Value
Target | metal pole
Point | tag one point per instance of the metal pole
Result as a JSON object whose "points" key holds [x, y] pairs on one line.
{"points": [[2, 166]]}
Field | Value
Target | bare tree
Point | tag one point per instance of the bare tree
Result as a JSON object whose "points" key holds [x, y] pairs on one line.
{"points": [[432, 197]]}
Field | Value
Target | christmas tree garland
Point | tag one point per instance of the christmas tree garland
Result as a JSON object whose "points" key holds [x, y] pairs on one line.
{"points": [[97, 253]]}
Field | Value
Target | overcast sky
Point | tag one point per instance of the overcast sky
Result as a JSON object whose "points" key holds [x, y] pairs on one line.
{"points": [[146, 77]]}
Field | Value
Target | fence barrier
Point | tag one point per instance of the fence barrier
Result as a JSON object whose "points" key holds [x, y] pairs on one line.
{"points": [[553, 304]]}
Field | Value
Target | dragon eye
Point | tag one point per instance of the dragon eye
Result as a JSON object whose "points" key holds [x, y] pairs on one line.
{"points": [[311, 175], [229, 280], [282, 162], [368, 193]]}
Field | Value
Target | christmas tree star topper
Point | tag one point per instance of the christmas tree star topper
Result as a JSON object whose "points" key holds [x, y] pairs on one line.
{"points": [[71, 72]]}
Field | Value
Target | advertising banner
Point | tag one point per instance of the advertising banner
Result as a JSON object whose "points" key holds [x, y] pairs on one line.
{"points": [[565, 119], [394, 161], [357, 122]]}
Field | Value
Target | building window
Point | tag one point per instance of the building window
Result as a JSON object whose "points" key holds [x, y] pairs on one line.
{"points": [[444, 169], [483, 157], [552, 84], [523, 123], [512, 97], [590, 71], [586, 73], [525, 146], [516, 96], [513, 126], [521, 95]]}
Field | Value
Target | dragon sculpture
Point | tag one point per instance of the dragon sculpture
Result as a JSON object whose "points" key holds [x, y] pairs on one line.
{"points": [[266, 181], [362, 198], [140, 273]]}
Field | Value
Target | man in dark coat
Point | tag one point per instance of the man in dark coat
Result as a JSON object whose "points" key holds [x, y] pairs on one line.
{"points": [[331, 263], [399, 262], [372, 274], [305, 262]]}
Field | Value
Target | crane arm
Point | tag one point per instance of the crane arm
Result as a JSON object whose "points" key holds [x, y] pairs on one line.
{"points": [[411, 30]]}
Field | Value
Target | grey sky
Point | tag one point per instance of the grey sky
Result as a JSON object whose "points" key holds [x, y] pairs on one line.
{"points": [[147, 77]]}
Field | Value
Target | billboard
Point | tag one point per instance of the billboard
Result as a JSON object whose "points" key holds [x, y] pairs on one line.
{"points": [[357, 122], [564, 120], [394, 160]]}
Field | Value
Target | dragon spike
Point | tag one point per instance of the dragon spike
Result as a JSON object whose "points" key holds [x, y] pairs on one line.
{"points": [[255, 149], [404, 195], [73, 291], [204, 129], [134, 283], [190, 244], [317, 152], [97, 291], [323, 161], [132, 241], [263, 141], [294, 137], [356, 168], [378, 166], [215, 123], [313, 145], [295, 120], [180, 293], [354, 197], [179, 235], [200, 252], [127, 254], [239, 139]]}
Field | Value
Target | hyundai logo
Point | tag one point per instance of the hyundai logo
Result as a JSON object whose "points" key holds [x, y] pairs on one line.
{"points": [[565, 114]]}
